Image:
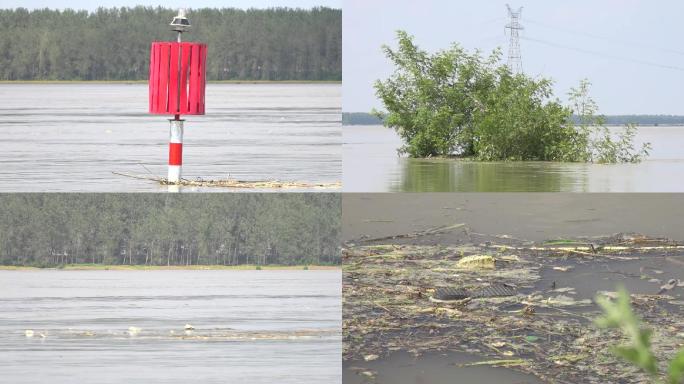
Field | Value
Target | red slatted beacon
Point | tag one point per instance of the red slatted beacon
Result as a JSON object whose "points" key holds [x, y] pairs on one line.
{"points": [[177, 82]]}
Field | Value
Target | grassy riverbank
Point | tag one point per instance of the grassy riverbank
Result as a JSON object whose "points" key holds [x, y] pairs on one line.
{"points": [[100, 267]]}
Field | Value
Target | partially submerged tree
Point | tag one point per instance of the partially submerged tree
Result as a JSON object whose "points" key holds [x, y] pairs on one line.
{"points": [[599, 143], [456, 103], [519, 121], [431, 99]]}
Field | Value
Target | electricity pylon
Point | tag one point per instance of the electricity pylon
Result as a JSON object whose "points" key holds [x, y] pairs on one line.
{"points": [[514, 27]]}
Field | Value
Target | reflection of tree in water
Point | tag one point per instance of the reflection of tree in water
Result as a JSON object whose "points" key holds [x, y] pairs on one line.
{"points": [[445, 175]]}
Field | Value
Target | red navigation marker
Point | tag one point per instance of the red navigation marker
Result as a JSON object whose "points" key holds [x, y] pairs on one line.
{"points": [[176, 86], [177, 78]]}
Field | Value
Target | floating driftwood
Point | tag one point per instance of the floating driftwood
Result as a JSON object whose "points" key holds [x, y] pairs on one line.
{"points": [[544, 329], [430, 231], [495, 363], [238, 184]]}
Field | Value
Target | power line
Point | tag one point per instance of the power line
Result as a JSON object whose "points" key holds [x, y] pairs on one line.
{"points": [[606, 38], [490, 21], [488, 39], [601, 54]]}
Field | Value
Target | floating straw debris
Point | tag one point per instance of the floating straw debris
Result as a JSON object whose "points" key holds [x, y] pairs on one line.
{"points": [[233, 183]]}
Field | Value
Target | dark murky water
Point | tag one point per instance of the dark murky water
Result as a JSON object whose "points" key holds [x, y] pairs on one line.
{"points": [[371, 164], [642, 276], [71, 137], [435, 368], [250, 326]]}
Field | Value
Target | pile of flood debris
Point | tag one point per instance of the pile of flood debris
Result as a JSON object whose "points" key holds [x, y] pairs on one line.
{"points": [[187, 333], [545, 329], [243, 184], [237, 184]]}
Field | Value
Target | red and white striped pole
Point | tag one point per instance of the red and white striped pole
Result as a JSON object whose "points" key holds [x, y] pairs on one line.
{"points": [[175, 150]]}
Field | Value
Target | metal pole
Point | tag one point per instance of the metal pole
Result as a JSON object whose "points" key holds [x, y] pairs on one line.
{"points": [[180, 24], [175, 150], [180, 51]]}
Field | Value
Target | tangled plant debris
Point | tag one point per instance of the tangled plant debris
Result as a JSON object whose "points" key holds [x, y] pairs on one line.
{"points": [[237, 184], [544, 329]]}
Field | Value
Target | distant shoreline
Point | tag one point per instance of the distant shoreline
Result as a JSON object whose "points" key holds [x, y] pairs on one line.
{"points": [[98, 267], [363, 118], [145, 82]]}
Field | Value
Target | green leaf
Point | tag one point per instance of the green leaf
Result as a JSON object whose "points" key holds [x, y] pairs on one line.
{"points": [[642, 358], [675, 371], [619, 314]]}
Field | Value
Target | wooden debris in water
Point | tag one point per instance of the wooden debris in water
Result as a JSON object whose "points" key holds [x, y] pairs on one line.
{"points": [[496, 363], [430, 231]]}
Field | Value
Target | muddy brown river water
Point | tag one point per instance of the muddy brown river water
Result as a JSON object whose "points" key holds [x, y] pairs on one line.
{"points": [[371, 165], [249, 326], [71, 137]]}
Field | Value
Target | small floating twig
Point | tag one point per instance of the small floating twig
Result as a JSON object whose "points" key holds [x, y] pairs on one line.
{"points": [[430, 231], [496, 363]]}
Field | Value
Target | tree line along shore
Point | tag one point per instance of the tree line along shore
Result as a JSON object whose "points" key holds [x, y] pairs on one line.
{"points": [[145, 82], [97, 230], [127, 267], [114, 43], [363, 118]]}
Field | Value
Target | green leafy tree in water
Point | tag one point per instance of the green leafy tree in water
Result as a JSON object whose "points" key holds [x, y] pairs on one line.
{"points": [[518, 120], [431, 99], [619, 315], [454, 103]]}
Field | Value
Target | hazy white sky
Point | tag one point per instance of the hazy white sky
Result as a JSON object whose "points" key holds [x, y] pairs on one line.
{"points": [[94, 4], [631, 50]]}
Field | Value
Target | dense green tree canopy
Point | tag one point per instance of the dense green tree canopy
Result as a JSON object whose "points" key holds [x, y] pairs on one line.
{"points": [[157, 229], [114, 43], [458, 103]]}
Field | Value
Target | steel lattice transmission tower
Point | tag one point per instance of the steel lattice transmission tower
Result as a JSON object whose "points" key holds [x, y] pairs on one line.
{"points": [[514, 27]]}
